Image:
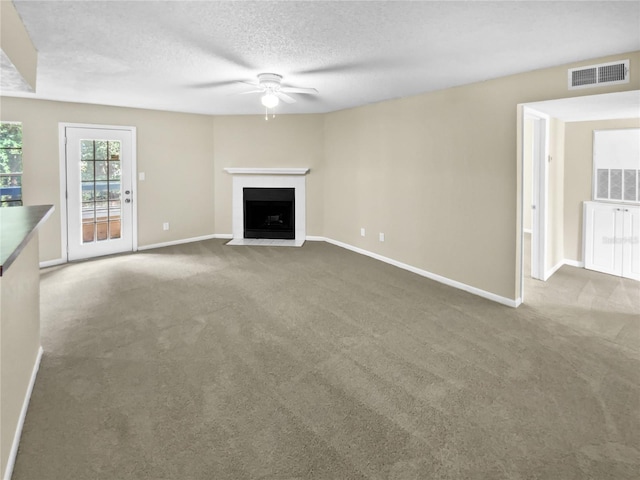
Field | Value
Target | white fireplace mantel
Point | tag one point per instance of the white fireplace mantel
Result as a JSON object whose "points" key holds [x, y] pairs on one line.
{"points": [[267, 171], [269, 178]]}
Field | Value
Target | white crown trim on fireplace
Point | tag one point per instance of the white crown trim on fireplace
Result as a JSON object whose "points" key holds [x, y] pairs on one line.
{"points": [[267, 171], [269, 178]]}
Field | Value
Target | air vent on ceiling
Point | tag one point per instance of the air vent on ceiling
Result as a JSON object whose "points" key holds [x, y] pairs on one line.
{"points": [[603, 74]]}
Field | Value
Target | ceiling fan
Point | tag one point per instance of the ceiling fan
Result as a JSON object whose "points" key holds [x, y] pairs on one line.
{"points": [[270, 85]]}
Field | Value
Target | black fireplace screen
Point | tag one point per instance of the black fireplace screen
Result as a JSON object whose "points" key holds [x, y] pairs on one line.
{"points": [[269, 213]]}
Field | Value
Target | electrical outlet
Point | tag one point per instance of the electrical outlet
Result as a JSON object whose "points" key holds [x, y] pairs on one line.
{"points": [[165, 226], [381, 236], [141, 176], [362, 232]]}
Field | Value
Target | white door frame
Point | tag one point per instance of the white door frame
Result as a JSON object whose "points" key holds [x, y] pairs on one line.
{"points": [[62, 126], [539, 194]]}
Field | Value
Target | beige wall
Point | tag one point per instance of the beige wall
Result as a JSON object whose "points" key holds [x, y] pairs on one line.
{"points": [[174, 150], [555, 196], [285, 141], [19, 340], [428, 173], [578, 177]]}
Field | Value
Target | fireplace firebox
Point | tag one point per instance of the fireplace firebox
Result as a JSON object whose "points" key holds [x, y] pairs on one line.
{"points": [[269, 213]]}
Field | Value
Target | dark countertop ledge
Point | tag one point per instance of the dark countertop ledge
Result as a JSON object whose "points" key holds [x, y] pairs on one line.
{"points": [[17, 227]]}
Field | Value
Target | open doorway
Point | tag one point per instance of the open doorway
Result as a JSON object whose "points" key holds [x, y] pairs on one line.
{"points": [[556, 176]]}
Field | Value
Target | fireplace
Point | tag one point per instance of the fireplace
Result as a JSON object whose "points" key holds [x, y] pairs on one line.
{"points": [[270, 221], [269, 213]]}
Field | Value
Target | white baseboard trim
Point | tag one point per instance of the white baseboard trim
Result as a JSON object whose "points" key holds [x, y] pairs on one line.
{"points": [[571, 263], [183, 240], [433, 276], [553, 270], [11, 461], [574, 263], [52, 263], [315, 238], [227, 236]]}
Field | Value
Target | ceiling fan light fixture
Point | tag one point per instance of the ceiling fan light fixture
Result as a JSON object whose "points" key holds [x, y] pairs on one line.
{"points": [[269, 100]]}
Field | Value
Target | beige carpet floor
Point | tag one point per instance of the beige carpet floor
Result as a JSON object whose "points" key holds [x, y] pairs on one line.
{"points": [[205, 361]]}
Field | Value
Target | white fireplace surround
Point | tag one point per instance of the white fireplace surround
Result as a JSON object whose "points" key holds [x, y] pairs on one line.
{"points": [[268, 178]]}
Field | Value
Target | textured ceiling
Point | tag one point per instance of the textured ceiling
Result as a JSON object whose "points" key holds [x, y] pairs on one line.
{"points": [[187, 56]]}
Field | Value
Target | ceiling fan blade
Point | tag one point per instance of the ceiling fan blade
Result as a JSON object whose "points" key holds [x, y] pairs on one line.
{"points": [[212, 84], [344, 67], [299, 90], [285, 98], [208, 46], [250, 91], [360, 66]]}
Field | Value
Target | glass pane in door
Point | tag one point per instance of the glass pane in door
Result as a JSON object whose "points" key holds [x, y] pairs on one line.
{"points": [[101, 193]]}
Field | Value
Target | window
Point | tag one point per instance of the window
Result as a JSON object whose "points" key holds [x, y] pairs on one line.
{"points": [[10, 164]]}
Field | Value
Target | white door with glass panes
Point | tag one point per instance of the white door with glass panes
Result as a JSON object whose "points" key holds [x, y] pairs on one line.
{"points": [[100, 211]]}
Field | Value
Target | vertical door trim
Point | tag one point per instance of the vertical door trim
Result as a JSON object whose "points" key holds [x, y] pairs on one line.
{"points": [[62, 129], [539, 194], [540, 191], [62, 144]]}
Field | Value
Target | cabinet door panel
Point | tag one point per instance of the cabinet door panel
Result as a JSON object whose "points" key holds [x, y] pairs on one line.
{"points": [[631, 243], [603, 225]]}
